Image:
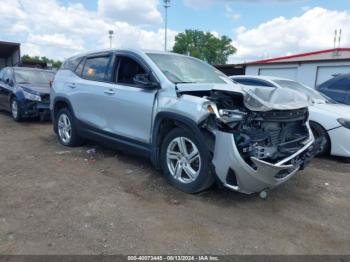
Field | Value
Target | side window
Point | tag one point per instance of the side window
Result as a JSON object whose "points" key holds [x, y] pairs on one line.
{"points": [[95, 68], [71, 64], [127, 70], [79, 69], [342, 84]]}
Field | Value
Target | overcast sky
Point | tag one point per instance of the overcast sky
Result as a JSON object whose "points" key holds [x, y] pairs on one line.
{"points": [[259, 28]]}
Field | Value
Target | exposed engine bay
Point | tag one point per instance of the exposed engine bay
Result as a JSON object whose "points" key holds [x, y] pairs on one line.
{"points": [[270, 135], [266, 135]]}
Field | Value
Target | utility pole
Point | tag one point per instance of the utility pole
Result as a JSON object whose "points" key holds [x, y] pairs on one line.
{"points": [[110, 36], [166, 6]]}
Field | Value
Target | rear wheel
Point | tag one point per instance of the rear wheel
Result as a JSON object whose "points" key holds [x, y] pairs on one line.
{"points": [[320, 132], [186, 162], [67, 132], [16, 111]]}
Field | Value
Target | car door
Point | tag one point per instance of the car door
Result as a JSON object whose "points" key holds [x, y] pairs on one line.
{"points": [[86, 90], [128, 108], [6, 86]]}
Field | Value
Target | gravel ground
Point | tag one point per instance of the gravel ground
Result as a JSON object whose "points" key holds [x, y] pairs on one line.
{"points": [[57, 200]]}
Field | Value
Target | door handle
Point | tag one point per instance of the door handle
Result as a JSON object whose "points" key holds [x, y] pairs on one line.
{"points": [[72, 85], [110, 92]]}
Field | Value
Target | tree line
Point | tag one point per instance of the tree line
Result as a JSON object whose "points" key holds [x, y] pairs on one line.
{"points": [[203, 45], [41, 59]]}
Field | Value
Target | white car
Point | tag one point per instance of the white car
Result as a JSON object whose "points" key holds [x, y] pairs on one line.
{"points": [[327, 117]]}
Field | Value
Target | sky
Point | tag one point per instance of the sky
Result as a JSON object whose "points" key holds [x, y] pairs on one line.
{"points": [[259, 29]]}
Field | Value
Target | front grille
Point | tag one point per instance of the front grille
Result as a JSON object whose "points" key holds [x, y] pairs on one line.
{"points": [[45, 99], [285, 114]]}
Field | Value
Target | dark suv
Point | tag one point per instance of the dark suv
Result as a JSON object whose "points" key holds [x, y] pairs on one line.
{"points": [[337, 88], [25, 92]]}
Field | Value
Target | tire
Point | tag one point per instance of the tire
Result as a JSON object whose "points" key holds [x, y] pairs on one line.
{"points": [[319, 132], [16, 112], [66, 129], [189, 169]]}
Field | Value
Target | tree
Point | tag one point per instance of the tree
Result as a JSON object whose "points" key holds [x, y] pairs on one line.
{"points": [[205, 46], [37, 59]]}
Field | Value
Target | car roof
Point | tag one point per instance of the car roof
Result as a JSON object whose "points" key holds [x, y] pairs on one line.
{"points": [[333, 80], [140, 52]]}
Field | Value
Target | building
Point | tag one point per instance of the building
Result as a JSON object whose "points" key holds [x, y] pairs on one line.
{"points": [[311, 68], [10, 54]]}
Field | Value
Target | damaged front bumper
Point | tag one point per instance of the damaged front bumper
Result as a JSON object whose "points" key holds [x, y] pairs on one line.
{"points": [[237, 175], [34, 109]]}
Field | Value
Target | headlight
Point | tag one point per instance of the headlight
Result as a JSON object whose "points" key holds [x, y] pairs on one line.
{"points": [[344, 122], [32, 97]]}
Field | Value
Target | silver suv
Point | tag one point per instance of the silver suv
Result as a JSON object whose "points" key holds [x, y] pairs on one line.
{"points": [[192, 121]]}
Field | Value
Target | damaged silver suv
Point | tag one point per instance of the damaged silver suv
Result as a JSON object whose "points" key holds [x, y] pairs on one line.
{"points": [[192, 121]]}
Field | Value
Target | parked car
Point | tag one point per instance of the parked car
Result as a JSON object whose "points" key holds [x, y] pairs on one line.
{"points": [[337, 88], [25, 92], [328, 118], [192, 121]]}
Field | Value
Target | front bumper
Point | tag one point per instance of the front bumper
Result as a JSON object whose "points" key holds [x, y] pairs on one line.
{"points": [[34, 109], [340, 141], [237, 175]]}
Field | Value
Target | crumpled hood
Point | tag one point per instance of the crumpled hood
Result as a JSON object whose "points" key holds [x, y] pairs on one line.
{"points": [[39, 89], [265, 99], [257, 98]]}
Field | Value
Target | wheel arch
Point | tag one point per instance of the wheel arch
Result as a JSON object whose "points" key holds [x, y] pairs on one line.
{"points": [[329, 149], [163, 123], [58, 104]]}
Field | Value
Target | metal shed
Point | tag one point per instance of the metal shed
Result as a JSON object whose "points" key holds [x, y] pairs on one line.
{"points": [[10, 54]]}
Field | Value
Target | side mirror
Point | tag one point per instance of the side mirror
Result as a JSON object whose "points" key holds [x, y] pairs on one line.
{"points": [[144, 80]]}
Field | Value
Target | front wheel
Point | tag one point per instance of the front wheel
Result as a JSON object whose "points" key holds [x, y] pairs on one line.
{"points": [[16, 111], [320, 132], [67, 131], [186, 161]]}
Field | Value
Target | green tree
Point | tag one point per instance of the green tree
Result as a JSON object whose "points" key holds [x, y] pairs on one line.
{"points": [[36, 59], [205, 46]]}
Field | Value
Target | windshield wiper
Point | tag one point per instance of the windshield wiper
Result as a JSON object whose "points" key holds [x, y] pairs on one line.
{"points": [[23, 83]]}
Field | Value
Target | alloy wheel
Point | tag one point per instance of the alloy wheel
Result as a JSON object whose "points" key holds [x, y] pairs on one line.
{"points": [[64, 128], [183, 160], [14, 109]]}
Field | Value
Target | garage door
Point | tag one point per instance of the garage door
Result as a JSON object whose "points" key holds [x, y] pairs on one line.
{"points": [[290, 73], [325, 73]]}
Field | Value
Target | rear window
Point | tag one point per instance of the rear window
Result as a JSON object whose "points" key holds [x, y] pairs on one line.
{"points": [[96, 67]]}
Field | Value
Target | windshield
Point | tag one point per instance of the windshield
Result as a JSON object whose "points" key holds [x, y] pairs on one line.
{"points": [[39, 77], [312, 93], [185, 69]]}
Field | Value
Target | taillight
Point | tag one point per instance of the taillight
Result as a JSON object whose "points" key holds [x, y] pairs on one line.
{"points": [[50, 83]]}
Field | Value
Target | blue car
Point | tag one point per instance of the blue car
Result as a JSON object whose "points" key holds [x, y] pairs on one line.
{"points": [[25, 92], [337, 88]]}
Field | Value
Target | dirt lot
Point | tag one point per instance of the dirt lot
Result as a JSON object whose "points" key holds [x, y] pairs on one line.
{"points": [[57, 200]]}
